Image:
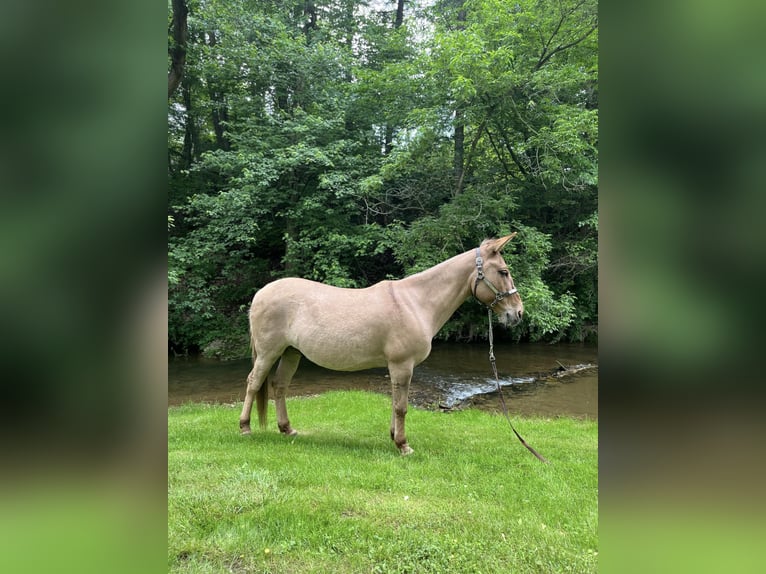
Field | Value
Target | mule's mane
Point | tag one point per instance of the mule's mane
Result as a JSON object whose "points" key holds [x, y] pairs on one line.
{"points": [[435, 269]]}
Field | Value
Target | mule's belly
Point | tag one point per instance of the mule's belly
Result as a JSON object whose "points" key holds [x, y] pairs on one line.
{"points": [[356, 347], [347, 364], [348, 352]]}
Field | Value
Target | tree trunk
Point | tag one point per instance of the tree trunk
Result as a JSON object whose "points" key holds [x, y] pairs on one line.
{"points": [[389, 137], [467, 162], [310, 10], [459, 152], [191, 136], [178, 50], [219, 114], [399, 14], [458, 160]]}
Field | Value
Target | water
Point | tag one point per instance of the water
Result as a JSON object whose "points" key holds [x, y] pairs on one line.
{"points": [[454, 375]]}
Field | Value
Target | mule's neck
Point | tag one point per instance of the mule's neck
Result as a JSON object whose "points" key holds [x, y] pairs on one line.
{"points": [[440, 290]]}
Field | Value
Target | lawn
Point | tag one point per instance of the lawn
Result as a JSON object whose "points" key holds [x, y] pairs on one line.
{"points": [[339, 498]]}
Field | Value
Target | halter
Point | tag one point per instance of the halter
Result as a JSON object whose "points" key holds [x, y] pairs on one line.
{"points": [[499, 296]]}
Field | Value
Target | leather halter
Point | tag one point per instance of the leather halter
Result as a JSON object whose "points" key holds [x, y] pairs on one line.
{"points": [[499, 295]]}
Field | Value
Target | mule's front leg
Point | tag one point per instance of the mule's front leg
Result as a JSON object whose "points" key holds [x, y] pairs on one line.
{"points": [[400, 388]]}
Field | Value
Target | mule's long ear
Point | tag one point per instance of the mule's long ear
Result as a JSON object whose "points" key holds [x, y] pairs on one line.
{"points": [[500, 243]]}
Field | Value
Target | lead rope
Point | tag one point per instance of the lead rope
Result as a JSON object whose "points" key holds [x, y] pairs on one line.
{"points": [[500, 391]]}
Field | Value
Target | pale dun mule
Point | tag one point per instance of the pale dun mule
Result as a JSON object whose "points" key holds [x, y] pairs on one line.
{"points": [[390, 324]]}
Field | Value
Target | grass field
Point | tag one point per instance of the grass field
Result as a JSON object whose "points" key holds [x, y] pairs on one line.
{"points": [[339, 498]]}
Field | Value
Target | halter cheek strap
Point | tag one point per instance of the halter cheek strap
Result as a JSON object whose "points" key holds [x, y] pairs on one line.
{"points": [[499, 295]]}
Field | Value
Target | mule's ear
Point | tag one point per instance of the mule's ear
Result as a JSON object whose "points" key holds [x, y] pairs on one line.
{"points": [[500, 243]]}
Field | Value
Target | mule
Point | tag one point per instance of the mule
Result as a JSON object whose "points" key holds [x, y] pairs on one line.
{"points": [[389, 324]]}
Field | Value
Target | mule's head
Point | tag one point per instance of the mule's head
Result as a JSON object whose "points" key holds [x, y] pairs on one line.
{"points": [[509, 308]]}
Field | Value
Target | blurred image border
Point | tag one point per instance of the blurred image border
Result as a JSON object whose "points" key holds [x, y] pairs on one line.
{"points": [[83, 280]]}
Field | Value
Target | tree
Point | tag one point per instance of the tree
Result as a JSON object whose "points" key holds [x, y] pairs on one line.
{"points": [[347, 143]]}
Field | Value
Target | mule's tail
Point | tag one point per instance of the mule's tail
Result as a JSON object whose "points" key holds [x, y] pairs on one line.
{"points": [[262, 403], [262, 394]]}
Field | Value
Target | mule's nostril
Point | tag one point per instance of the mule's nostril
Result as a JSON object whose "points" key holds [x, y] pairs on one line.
{"points": [[520, 313]]}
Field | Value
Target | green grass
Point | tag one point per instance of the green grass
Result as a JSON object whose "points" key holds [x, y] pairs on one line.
{"points": [[339, 498]]}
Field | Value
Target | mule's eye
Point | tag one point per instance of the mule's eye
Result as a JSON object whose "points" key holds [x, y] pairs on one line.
{"points": [[504, 272]]}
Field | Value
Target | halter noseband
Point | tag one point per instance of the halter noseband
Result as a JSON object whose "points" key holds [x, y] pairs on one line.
{"points": [[499, 296]]}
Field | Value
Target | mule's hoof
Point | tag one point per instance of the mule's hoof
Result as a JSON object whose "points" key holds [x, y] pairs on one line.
{"points": [[291, 432], [405, 449], [245, 431]]}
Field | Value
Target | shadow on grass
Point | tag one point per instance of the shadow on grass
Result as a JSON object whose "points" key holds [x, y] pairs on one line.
{"points": [[331, 441]]}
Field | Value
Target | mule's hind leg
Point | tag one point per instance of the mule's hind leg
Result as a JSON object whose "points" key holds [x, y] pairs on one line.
{"points": [[288, 364], [401, 374], [255, 380]]}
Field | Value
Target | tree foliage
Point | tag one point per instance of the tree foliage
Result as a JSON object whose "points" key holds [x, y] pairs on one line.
{"points": [[349, 142]]}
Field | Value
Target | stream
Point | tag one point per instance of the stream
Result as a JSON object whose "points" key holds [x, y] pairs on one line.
{"points": [[455, 375]]}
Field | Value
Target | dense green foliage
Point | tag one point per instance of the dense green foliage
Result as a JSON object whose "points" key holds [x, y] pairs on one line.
{"points": [[334, 141], [339, 498]]}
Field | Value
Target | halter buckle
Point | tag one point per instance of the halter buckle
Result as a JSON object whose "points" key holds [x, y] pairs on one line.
{"points": [[479, 266]]}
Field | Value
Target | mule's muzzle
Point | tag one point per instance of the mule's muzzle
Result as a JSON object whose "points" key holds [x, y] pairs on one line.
{"points": [[512, 317]]}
